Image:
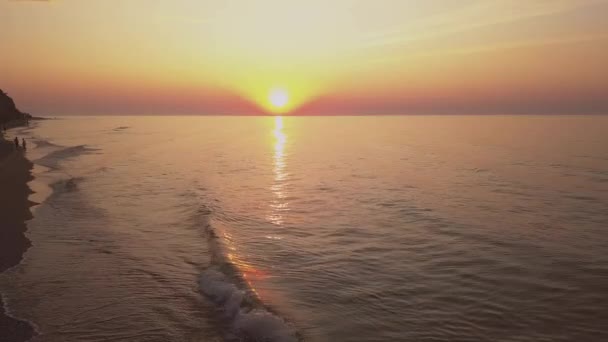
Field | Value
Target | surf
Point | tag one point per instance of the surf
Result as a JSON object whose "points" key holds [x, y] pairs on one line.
{"points": [[245, 316]]}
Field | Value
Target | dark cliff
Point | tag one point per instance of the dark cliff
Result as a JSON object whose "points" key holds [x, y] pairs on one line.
{"points": [[8, 110]]}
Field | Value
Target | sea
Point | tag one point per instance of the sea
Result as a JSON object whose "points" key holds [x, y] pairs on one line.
{"points": [[365, 228]]}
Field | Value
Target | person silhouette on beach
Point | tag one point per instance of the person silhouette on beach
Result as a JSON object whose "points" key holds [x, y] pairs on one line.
{"points": [[16, 142], [23, 144]]}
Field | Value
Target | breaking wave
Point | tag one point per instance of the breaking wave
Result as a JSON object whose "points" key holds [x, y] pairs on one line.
{"points": [[246, 317]]}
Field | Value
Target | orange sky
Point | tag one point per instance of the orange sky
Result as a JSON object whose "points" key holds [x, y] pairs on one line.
{"points": [[63, 57]]}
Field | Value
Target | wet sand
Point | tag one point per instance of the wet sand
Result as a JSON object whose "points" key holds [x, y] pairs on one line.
{"points": [[14, 211]]}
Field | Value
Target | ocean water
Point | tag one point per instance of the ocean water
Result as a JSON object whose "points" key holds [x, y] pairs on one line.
{"points": [[411, 228]]}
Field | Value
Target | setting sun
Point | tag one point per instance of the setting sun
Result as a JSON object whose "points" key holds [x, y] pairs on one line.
{"points": [[279, 98]]}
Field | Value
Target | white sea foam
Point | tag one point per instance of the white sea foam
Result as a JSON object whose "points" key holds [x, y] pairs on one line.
{"points": [[251, 324]]}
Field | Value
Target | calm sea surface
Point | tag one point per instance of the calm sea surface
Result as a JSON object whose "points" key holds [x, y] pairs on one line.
{"points": [[415, 228]]}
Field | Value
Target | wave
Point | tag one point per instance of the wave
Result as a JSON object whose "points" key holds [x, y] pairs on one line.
{"points": [[120, 128], [26, 327], [247, 322], [247, 317], [44, 143], [66, 185], [53, 159]]}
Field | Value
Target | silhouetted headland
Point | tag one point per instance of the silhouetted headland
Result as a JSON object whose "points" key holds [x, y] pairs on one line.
{"points": [[10, 115]]}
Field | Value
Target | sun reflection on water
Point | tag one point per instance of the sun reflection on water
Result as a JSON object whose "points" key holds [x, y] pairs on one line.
{"points": [[279, 205]]}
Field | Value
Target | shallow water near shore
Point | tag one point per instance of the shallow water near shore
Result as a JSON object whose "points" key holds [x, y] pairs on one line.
{"points": [[417, 228]]}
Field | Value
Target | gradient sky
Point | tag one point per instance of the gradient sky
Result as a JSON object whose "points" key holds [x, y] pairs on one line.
{"points": [[64, 57]]}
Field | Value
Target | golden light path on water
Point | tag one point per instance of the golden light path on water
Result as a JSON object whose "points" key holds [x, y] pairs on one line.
{"points": [[279, 204]]}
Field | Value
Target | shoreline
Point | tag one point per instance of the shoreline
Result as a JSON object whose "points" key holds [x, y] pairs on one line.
{"points": [[15, 173]]}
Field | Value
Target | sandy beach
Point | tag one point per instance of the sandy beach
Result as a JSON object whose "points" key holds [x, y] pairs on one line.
{"points": [[14, 211]]}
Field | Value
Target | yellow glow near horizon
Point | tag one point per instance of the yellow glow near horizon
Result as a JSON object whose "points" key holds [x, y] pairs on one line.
{"points": [[262, 88]]}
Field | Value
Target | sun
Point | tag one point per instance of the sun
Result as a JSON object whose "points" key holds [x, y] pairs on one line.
{"points": [[278, 98]]}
